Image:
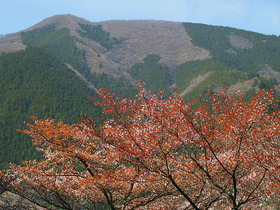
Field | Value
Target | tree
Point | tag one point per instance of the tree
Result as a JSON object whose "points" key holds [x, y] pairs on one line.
{"points": [[151, 153]]}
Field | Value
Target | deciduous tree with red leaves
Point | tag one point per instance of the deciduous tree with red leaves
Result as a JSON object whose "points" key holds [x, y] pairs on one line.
{"points": [[154, 153]]}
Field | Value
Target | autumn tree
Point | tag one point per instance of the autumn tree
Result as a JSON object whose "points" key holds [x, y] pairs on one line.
{"points": [[153, 153], [80, 170]]}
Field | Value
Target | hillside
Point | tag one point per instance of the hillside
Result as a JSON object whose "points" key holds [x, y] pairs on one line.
{"points": [[175, 43], [48, 69], [35, 83]]}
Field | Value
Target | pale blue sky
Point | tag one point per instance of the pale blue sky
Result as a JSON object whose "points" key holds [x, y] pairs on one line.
{"points": [[254, 15]]}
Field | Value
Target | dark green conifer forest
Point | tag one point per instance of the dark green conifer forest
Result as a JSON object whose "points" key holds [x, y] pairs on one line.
{"points": [[31, 84]]}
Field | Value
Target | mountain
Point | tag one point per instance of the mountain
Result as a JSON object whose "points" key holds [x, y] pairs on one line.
{"points": [[49, 69]]}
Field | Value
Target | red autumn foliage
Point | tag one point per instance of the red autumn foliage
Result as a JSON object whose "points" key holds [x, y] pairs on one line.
{"points": [[154, 153]]}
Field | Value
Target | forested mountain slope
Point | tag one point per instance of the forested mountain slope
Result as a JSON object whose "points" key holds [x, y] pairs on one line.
{"points": [[240, 59], [34, 82], [35, 79]]}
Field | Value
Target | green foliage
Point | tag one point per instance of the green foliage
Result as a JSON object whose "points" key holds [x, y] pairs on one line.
{"points": [[221, 75], [121, 87], [97, 34], [38, 36], [266, 49], [189, 70], [60, 43], [265, 83], [34, 82], [217, 79], [155, 75]]}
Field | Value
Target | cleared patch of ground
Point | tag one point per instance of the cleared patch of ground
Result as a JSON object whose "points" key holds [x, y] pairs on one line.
{"points": [[239, 42], [11, 43], [242, 86], [169, 40], [196, 81], [272, 75], [81, 77]]}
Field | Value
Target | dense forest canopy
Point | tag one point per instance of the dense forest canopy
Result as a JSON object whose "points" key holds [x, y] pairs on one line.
{"points": [[58, 42], [31, 85], [263, 49], [155, 75]]}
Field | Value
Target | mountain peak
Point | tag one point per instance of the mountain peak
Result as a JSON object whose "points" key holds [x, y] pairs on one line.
{"points": [[62, 21]]}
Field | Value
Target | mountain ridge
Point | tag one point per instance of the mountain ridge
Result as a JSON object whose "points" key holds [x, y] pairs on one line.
{"points": [[170, 40], [152, 35]]}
